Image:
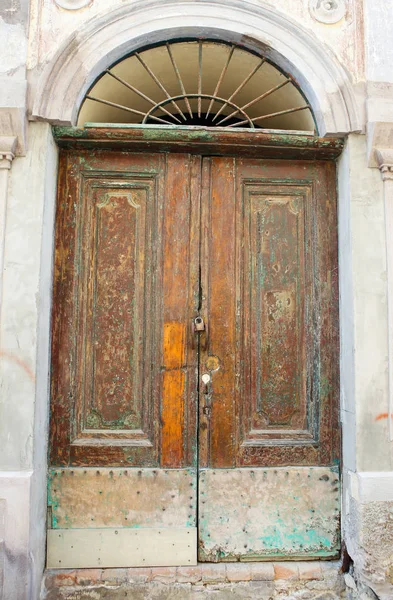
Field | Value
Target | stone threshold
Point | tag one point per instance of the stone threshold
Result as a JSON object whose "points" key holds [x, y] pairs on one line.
{"points": [[310, 579]]}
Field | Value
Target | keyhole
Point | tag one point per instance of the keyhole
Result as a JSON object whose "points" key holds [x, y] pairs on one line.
{"points": [[206, 378]]}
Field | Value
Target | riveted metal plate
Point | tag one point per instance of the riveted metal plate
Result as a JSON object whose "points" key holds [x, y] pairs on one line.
{"points": [[154, 547], [102, 497], [254, 514]]}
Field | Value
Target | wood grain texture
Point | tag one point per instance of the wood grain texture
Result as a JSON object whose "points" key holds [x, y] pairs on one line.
{"points": [[180, 264], [268, 293], [63, 317], [218, 281], [276, 291]]}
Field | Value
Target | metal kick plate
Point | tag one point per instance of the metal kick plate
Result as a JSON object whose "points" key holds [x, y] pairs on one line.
{"points": [[104, 497], [89, 548], [256, 513]]}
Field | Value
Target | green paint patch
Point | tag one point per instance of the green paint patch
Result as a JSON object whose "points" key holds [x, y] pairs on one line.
{"points": [[60, 131], [177, 134], [172, 133]]}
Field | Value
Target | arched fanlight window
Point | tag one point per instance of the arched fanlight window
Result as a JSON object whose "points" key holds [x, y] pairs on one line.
{"points": [[197, 82]]}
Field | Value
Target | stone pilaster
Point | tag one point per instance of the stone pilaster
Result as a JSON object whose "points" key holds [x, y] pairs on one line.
{"points": [[7, 154], [384, 158]]}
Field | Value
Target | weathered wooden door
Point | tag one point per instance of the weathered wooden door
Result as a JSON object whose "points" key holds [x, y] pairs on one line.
{"points": [[122, 483], [268, 423], [156, 418]]}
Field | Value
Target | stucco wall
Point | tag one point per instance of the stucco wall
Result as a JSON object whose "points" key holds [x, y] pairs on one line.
{"points": [[367, 451], [24, 334]]}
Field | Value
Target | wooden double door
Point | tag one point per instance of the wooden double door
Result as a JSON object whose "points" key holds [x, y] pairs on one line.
{"points": [[194, 360]]}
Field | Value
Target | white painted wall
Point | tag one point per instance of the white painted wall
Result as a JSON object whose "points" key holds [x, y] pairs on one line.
{"points": [[367, 449], [373, 448]]}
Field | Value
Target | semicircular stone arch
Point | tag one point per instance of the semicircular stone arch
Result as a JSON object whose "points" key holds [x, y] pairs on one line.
{"points": [[107, 39]]}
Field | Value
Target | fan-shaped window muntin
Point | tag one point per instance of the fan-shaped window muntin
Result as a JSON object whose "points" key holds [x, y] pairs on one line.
{"points": [[197, 82]]}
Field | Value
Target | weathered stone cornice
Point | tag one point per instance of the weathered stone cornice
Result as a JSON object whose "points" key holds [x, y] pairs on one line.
{"points": [[384, 158], [7, 151], [13, 114], [380, 143]]}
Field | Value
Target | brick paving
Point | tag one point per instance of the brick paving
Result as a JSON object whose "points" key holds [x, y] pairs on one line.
{"points": [[266, 581]]}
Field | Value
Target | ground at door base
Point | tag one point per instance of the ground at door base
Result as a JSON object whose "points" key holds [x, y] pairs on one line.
{"points": [[312, 580]]}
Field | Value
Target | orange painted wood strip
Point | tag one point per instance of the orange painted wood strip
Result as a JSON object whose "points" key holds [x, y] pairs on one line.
{"points": [[172, 417], [174, 345]]}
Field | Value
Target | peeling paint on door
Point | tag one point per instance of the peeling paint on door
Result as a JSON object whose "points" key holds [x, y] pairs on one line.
{"points": [[253, 514], [152, 249]]}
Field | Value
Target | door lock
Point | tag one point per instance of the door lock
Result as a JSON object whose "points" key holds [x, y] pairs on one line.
{"points": [[199, 326]]}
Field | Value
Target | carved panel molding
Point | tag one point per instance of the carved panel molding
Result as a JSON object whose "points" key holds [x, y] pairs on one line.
{"points": [[116, 242], [278, 299]]}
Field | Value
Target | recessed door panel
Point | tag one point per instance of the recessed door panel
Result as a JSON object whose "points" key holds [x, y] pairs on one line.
{"points": [[116, 262], [276, 269]]}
